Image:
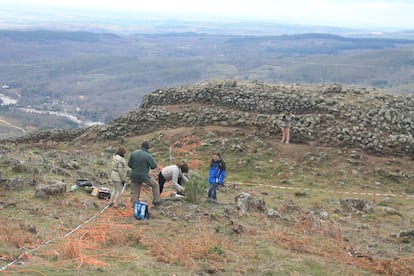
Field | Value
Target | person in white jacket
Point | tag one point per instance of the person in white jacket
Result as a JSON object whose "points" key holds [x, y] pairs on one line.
{"points": [[176, 174], [118, 175], [286, 120]]}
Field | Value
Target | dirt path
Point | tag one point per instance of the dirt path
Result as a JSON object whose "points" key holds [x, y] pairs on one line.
{"points": [[11, 125]]}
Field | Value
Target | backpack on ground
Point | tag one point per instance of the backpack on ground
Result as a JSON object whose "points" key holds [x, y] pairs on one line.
{"points": [[141, 210]]}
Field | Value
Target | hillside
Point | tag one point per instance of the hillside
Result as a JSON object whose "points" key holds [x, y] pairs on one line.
{"points": [[318, 206], [98, 77], [331, 115]]}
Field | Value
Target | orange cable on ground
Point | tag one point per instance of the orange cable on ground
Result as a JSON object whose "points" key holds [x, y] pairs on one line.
{"points": [[90, 237]]}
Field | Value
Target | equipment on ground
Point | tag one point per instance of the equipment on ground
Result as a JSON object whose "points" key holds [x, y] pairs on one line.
{"points": [[141, 210], [104, 193]]}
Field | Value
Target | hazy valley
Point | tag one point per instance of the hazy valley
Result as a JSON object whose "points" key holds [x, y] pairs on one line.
{"points": [[97, 77]]}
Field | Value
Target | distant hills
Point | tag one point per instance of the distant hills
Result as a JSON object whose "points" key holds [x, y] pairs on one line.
{"points": [[97, 77]]}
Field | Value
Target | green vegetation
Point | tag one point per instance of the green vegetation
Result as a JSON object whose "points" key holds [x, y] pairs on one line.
{"points": [[313, 232], [195, 188]]}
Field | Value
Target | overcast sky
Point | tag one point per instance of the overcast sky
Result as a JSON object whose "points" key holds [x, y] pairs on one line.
{"points": [[341, 13]]}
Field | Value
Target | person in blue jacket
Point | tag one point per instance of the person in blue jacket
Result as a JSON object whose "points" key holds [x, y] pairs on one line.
{"points": [[217, 175]]}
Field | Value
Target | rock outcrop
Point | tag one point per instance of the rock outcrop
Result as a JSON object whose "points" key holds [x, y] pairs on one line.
{"points": [[330, 115]]}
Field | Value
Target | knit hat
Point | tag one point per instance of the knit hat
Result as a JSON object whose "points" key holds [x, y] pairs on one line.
{"points": [[145, 145]]}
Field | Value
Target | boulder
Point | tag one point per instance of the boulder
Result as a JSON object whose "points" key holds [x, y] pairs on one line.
{"points": [[53, 188]]}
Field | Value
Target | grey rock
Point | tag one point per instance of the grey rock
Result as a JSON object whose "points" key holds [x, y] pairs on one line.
{"points": [[369, 119], [52, 188]]}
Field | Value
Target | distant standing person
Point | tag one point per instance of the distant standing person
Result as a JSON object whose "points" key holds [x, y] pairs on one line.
{"points": [[217, 174], [140, 162], [174, 173], [286, 118], [118, 175]]}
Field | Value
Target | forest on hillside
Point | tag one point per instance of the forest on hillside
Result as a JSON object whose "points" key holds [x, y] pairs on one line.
{"points": [[101, 76]]}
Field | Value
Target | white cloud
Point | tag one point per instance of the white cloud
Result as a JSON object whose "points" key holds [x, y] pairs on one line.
{"points": [[385, 5], [349, 13]]}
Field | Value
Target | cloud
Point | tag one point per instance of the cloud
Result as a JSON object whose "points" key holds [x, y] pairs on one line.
{"points": [[349, 13], [384, 5]]}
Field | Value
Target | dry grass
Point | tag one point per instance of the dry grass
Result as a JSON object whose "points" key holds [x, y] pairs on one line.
{"points": [[17, 235], [187, 239], [189, 246]]}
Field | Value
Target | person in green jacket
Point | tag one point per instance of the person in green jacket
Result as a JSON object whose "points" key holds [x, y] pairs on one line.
{"points": [[140, 162]]}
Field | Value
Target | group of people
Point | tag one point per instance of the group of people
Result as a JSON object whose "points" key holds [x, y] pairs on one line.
{"points": [[141, 161]]}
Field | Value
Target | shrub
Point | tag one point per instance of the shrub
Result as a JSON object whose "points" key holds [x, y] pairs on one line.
{"points": [[195, 188]]}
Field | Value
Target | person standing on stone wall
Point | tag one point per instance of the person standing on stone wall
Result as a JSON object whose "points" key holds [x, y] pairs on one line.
{"points": [[140, 162], [286, 119]]}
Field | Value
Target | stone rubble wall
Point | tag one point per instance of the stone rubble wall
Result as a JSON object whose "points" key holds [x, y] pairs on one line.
{"points": [[329, 115]]}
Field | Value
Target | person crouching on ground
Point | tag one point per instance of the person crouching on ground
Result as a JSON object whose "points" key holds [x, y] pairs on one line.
{"points": [[140, 162], [118, 175], [217, 175], [176, 174]]}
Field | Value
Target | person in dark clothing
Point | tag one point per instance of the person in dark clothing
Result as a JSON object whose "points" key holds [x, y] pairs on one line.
{"points": [[140, 162], [217, 174]]}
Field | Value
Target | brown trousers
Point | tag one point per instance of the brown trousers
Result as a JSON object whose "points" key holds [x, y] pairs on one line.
{"points": [[136, 190]]}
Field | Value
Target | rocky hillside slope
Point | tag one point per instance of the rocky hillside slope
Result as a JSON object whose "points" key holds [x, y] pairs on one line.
{"points": [[316, 210], [329, 115]]}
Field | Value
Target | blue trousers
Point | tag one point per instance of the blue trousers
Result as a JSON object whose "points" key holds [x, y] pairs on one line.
{"points": [[212, 191]]}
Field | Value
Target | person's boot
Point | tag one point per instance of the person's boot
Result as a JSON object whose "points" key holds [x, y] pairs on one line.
{"points": [[159, 202]]}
